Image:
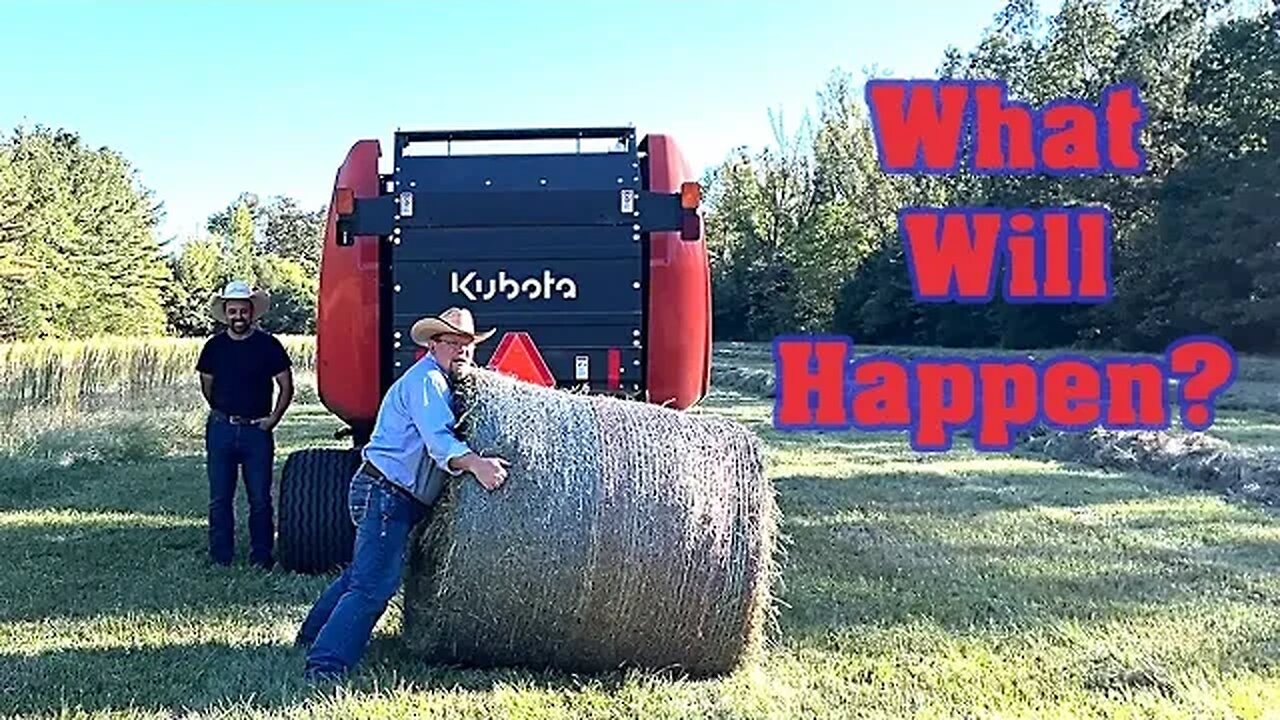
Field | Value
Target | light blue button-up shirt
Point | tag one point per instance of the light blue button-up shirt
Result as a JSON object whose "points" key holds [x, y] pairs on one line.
{"points": [[416, 419]]}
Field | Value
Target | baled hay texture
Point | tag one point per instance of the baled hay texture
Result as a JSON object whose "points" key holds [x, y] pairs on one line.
{"points": [[626, 535]]}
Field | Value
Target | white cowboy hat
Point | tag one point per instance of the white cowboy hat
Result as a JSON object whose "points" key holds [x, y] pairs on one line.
{"points": [[454, 320], [239, 290]]}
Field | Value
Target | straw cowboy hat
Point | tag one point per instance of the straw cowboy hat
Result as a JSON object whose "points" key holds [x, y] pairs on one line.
{"points": [[239, 290], [454, 320]]}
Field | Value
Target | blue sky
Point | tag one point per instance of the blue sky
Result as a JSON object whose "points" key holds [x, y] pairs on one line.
{"points": [[210, 99]]}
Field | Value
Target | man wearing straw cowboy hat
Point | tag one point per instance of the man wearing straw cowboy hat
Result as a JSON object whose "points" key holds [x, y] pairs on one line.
{"points": [[412, 448], [236, 370]]}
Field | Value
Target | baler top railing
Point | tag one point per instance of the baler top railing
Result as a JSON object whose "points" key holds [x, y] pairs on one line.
{"points": [[412, 136], [624, 137]]}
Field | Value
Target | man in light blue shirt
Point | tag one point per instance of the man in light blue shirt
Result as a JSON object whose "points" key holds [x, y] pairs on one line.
{"points": [[412, 450]]}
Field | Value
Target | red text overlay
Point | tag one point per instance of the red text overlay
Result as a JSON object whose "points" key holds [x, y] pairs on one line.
{"points": [[1037, 255], [920, 126], [821, 386], [1047, 256]]}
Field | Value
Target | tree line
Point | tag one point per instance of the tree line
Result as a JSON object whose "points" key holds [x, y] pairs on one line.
{"points": [[80, 256], [803, 234]]}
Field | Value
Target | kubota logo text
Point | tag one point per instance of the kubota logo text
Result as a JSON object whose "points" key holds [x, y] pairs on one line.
{"points": [[474, 288]]}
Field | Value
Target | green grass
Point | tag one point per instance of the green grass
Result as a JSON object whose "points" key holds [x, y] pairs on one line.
{"points": [[1249, 428], [949, 585]]}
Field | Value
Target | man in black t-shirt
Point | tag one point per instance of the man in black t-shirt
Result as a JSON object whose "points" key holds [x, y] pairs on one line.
{"points": [[236, 369]]}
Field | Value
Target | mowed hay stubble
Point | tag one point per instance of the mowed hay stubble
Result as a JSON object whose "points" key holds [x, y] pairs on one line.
{"points": [[627, 535]]}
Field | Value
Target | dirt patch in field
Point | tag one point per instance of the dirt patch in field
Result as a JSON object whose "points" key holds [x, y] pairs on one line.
{"points": [[1202, 460]]}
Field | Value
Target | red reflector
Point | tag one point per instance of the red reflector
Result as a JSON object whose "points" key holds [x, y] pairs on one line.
{"points": [[516, 355], [691, 226], [345, 201], [690, 195], [615, 365]]}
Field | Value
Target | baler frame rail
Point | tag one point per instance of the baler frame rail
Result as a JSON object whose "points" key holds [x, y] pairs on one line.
{"points": [[649, 211]]}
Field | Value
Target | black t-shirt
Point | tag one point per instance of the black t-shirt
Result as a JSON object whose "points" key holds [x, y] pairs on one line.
{"points": [[242, 371]]}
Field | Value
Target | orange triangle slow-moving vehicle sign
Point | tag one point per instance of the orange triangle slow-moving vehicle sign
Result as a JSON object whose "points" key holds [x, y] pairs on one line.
{"points": [[516, 355]]}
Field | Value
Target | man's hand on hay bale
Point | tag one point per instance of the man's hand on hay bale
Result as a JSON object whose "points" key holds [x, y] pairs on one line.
{"points": [[491, 472]]}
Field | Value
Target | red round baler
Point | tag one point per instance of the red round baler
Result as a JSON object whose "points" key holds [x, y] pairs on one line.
{"points": [[350, 353], [355, 351]]}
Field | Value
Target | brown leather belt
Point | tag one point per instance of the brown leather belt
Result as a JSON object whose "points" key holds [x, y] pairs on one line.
{"points": [[372, 471], [236, 419]]}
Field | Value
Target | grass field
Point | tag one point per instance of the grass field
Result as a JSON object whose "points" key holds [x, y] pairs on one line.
{"points": [[948, 585]]}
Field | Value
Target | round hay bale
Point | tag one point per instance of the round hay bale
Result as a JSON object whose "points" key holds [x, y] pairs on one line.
{"points": [[626, 535]]}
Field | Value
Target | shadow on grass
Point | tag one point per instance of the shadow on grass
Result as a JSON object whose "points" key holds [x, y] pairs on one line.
{"points": [[965, 492], [983, 550], [165, 678], [388, 659], [86, 565], [173, 484], [200, 677]]}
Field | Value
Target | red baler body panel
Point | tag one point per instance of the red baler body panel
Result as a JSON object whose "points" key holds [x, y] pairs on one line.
{"points": [[347, 344], [679, 345]]}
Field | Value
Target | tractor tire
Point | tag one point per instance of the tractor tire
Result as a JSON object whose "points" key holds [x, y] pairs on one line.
{"points": [[315, 533]]}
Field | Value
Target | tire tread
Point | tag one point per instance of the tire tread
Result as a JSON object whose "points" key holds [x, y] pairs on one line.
{"points": [[315, 533]]}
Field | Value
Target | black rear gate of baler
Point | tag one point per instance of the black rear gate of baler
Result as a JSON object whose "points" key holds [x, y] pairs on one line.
{"points": [[552, 244]]}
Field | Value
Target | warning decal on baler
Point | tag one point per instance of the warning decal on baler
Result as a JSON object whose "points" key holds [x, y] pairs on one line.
{"points": [[516, 355]]}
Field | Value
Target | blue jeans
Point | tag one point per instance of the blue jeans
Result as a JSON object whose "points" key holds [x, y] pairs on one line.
{"points": [[339, 626], [229, 448]]}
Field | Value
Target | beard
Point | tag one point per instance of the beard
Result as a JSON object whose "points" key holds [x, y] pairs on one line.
{"points": [[460, 367]]}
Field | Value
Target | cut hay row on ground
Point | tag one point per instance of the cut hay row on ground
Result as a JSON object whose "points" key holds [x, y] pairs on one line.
{"points": [[749, 368], [68, 373], [759, 355], [1241, 395], [1203, 460], [1220, 458]]}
